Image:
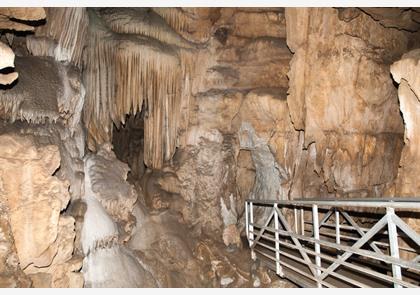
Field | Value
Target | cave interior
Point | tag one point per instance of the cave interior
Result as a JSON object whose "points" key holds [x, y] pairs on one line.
{"points": [[131, 138]]}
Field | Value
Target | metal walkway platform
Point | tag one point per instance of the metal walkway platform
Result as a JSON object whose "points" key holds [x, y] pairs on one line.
{"points": [[338, 243]]}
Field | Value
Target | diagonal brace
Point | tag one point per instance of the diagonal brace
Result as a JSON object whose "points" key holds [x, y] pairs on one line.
{"points": [[373, 231], [254, 243], [296, 241], [359, 230], [323, 220], [406, 229]]}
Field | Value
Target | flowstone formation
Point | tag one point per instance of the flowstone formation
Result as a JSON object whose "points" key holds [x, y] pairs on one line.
{"points": [[406, 72]]}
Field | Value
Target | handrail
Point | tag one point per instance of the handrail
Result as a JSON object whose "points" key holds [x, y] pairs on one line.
{"points": [[289, 246], [397, 203]]}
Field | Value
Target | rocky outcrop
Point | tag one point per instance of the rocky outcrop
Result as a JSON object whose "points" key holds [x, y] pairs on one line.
{"points": [[13, 18], [43, 238], [406, 72], [11, 274]]}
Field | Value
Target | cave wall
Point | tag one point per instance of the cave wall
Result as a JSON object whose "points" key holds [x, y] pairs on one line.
{"points": [[342, 97], [237, 106]]}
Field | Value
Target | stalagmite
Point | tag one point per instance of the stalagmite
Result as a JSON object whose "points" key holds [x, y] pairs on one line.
{"points": [[108, 262], [131, 138]]}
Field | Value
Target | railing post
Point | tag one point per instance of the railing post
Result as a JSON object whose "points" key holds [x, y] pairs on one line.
{"points": [[247, 222], [276, 235], [296, 219], [302, 221], [337, 227], [315, 223], [251, 228], [393, 244]]}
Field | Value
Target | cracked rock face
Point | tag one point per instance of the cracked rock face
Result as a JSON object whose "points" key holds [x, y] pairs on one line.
{"points": [[35, 198], [355, 146]]}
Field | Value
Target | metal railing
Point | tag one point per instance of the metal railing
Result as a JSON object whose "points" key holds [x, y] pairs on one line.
{"points": [[337, 243]]}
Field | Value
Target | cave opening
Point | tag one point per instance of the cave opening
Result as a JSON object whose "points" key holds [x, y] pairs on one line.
{"points": [[128, 144]]}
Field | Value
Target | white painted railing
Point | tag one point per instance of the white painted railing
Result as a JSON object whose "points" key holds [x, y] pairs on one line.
{"points": [[338, 243]]}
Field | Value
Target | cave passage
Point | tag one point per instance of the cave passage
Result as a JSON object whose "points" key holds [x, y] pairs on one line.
{"points": [[128, 144]]}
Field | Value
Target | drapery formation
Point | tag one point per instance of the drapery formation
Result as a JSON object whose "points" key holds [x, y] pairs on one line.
{"points": [[126, 73], [67, 27]]}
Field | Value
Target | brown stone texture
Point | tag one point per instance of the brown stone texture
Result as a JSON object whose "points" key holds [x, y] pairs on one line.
{"points": [[406, 72], [342, 97], [8, 15], [34, 197]]}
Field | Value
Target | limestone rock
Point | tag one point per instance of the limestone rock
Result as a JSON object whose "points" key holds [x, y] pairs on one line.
{"points": [[343, 117], [406, 72], [109, 186], [11, 274], [44, 239], [36, 200], [7, 16], [57, 84]]}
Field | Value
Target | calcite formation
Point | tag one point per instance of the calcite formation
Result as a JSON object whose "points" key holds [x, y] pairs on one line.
{"points": [[63, 36], [406, 72], [108, 262]]}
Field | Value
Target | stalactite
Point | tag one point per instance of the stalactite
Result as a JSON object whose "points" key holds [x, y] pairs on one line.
{"points": [[55, 93], [66, 26], [125, 72]]}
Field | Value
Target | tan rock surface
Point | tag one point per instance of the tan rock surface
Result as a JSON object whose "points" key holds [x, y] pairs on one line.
{"points": [[44, 239], [7, 14], [406, 72], [341, 95]]}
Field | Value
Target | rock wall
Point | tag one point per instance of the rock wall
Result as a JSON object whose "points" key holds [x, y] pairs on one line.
{"points": [[343, 99], [237, 103], [43, 237]]}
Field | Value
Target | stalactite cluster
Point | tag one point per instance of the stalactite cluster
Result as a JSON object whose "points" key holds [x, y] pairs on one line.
{"points": [[126, 73], [67, 27]]}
